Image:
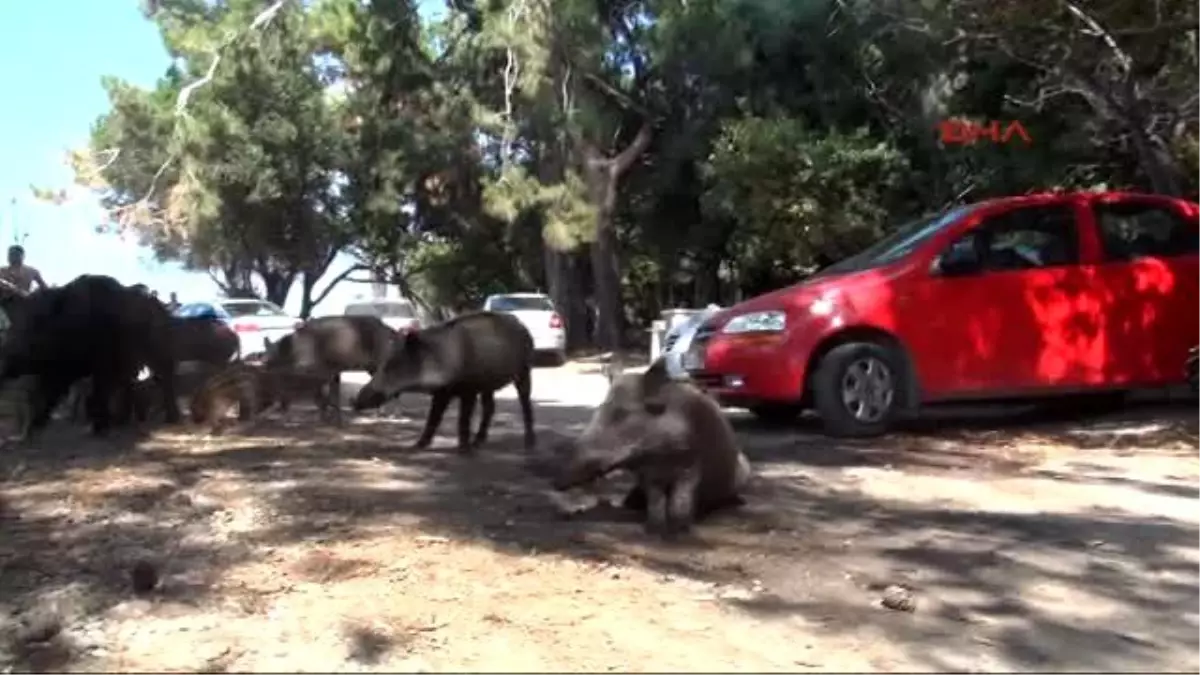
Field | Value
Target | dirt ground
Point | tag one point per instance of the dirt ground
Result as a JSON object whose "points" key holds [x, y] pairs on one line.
{"points": [[1027, 544]]}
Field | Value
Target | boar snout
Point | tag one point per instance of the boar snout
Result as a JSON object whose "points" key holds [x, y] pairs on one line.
{"points": [[368, 397], [585, 465]]}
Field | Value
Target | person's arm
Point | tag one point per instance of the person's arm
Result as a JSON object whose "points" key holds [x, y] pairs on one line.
{"points": [[38, 280]]}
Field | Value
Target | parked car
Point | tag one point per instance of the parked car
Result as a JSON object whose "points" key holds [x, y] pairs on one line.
{"points": [[251, 319], [398, 314], [1015, 297], [679, 338], [537, 312]]}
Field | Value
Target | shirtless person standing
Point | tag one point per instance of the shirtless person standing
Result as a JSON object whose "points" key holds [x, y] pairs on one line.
{"points": [[18, 273]]}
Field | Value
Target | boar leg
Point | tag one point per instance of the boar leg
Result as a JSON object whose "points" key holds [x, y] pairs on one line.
{"points": [[681, 507], [283, 398], [45, 396], [437, 408], [466, 406], [656, 510], [77, 401], [524, 391], [333, 396], [487, 410], [164, 378], [100, 402], [321, 398], [121, 403], [635, 499]]}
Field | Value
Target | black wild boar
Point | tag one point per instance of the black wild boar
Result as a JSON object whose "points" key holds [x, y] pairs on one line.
{"points": [[202, 338], [468, 357], [326, 347], [673, 438], [90, 327]]}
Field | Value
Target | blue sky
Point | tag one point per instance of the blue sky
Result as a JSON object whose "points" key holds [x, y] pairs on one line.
{"points": [[55, 54]]}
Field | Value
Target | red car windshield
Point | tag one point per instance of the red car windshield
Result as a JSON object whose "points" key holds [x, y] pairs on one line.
{"points": [[901, 242]]}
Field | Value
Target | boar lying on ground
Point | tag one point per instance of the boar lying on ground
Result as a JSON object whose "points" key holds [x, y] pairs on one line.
{"points": [[468, 357], [673, 438], [326, 347]]}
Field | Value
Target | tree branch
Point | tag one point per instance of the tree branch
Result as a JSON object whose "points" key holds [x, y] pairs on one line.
{"points": [[260, 20], [621, 163], [1156, 28], [1097, 30], [617, 96], [345, 275]]}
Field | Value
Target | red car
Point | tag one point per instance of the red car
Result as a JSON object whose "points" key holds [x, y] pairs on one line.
{"points": [[1016, 297]]}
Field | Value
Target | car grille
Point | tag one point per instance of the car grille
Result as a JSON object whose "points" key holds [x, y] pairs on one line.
{"points": [[703, 334], [672, 338]]}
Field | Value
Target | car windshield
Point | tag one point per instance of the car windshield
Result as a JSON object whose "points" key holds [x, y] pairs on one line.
{"points": [[383, 310], [901, 242], [240, 309], [517, 303], [196, 310]]}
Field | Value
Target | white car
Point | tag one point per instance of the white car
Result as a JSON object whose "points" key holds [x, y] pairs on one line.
{"points": [[251, 319], [537, 312], [398, 314]]}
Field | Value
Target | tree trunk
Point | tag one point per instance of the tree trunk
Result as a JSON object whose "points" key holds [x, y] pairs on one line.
{"points": [[308, 283], [603, 176], [606, 275], [277, 285], [707, 282], [562, 279], [1160, 168], [562, 285]]}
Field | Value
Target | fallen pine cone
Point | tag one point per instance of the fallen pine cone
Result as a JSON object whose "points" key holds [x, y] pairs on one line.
{"points": [[899, 598], [143, 577]]}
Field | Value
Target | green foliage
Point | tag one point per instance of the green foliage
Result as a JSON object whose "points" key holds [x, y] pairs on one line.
{"points": [[244, 176], [464, 156], [796, 194]]}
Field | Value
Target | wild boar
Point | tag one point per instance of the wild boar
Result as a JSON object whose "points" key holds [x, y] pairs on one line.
{"points": [[673, 438], [468, 357]]}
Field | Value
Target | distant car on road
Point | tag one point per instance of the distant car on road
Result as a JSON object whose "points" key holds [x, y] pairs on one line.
{"points": [[398, 314], [251, 319], [537, 312]]}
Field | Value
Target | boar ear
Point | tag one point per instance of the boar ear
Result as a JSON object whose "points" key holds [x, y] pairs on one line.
{"points": [[267, 343], [653, 381]]}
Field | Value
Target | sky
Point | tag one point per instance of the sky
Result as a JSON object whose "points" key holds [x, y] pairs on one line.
{"points": [[55, 54]]}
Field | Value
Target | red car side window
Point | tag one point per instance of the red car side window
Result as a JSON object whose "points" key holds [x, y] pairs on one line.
{"points": [[1028, 237], [1133, 229]]}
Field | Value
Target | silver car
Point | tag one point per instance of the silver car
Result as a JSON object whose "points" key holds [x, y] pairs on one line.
{"points": [[679, 338]]}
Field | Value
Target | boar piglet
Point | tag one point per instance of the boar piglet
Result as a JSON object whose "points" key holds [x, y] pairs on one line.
{"points": [[673, 438], [470, 356]]}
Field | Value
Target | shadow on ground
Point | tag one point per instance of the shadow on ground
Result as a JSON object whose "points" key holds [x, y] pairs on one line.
{"points": [[1105, 584]]}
